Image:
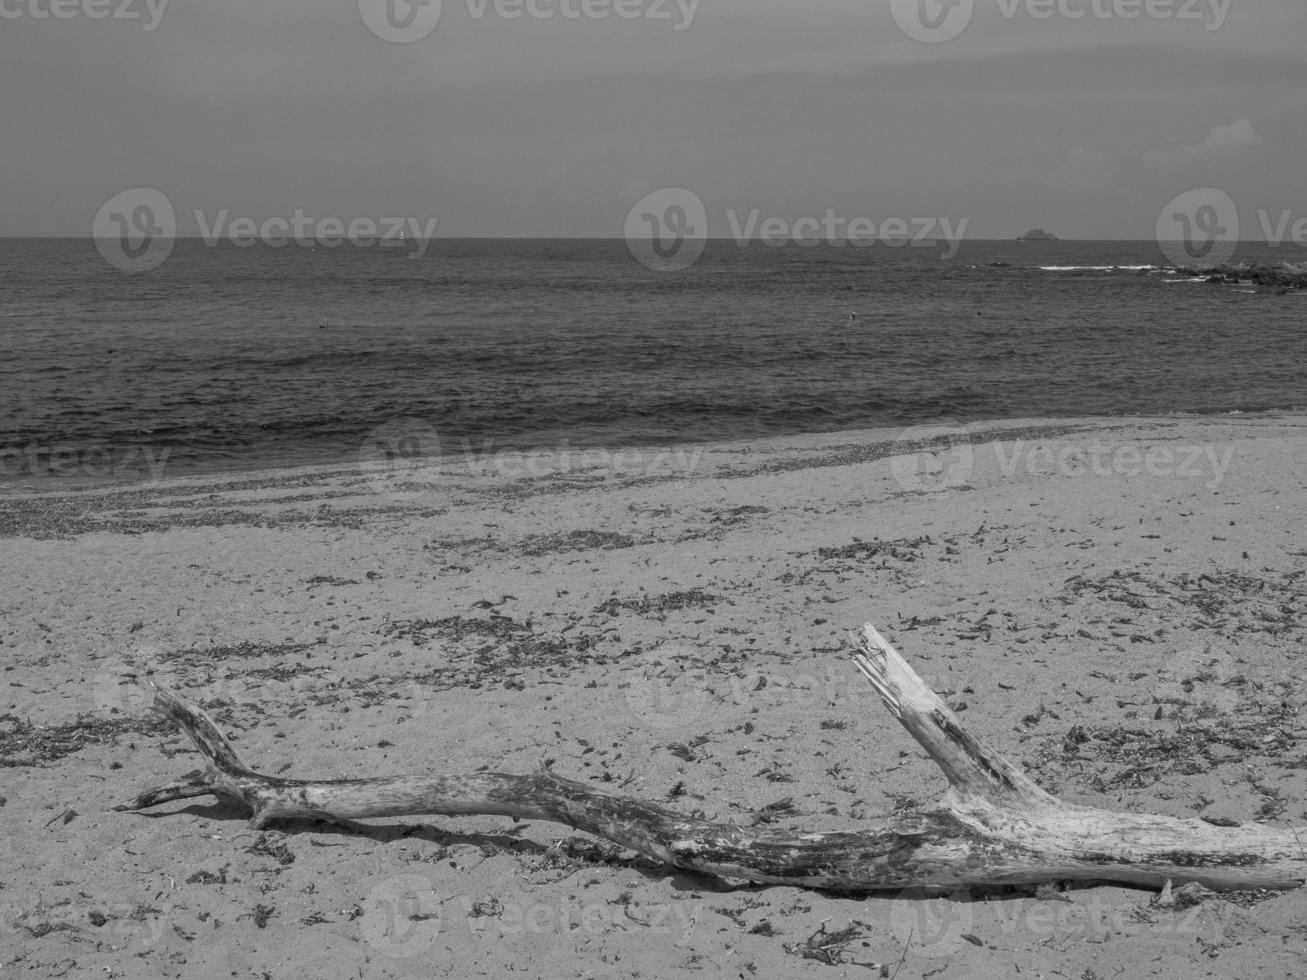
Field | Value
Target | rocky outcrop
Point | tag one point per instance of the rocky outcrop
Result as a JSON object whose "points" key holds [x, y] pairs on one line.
{"points": [[1281, 278]]}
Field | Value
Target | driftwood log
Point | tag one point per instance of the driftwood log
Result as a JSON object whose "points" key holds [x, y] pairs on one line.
{"points": [[993, 826]]}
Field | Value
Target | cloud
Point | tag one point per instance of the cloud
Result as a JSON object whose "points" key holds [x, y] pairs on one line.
{"points": [[1222, 144], [1238, 133]]}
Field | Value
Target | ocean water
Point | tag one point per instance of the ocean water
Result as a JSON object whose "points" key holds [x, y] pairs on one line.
{"points": [[230, 358]]}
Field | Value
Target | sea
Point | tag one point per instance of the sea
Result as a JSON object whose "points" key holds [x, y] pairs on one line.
{"points": [[228, 358]]}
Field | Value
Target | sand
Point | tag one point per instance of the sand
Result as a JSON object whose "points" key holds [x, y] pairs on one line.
{"points": [[1116, 604]]}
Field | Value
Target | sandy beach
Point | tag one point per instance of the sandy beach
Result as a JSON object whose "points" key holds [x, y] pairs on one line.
{"points": [[1116, 604]]}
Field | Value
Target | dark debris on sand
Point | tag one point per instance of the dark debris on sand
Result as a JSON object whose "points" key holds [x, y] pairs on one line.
{"points": [[1229, 602], [1254, 724], [235, 651], [25, 744], [670, 602], [904, 549], [539, 545], [862, 557], [477, 651]]}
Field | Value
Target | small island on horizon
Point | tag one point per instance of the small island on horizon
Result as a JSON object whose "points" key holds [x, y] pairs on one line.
{"points": [[1037, 235]]}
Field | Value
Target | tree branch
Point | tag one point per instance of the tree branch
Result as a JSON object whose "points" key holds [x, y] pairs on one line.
{"points": [[993, 826]]}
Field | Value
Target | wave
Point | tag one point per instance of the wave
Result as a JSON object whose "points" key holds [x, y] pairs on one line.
{"points": [[1099, 268]]}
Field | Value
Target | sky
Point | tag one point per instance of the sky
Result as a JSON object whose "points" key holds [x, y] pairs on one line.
{"points": [[555, 117]]}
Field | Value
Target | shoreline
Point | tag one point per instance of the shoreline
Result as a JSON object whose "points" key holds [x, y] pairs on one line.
{"points": [[1117, 603], [546, 460], [157, 464]]}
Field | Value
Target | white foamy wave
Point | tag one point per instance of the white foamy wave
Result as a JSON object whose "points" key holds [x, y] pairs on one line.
{"points": [[1096, 268]]}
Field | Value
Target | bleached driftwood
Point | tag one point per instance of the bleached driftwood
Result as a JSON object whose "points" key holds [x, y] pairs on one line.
{"points": [[993, 825]]}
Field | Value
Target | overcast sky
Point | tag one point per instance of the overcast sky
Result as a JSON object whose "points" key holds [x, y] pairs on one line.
{"points": [[556, 126]]}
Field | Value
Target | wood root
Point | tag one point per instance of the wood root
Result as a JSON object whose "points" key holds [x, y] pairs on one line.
{"points": [[993, 826]]}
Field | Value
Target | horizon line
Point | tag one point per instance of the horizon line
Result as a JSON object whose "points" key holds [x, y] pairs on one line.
{"points": [[619, 238]]}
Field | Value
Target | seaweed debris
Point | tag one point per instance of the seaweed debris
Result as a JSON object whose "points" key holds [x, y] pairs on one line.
{"points": [[25, 744], [539, 545], [670, 602]]}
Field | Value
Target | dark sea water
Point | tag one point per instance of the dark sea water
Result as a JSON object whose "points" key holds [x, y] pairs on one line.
{"points": [[229, 358]]}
